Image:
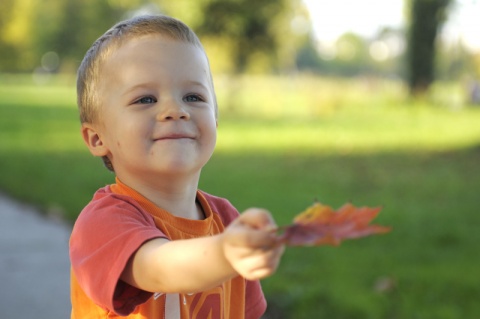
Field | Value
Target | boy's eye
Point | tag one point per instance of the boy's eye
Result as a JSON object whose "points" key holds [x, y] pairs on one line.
{"points": [[193, 98], [146, 100]]}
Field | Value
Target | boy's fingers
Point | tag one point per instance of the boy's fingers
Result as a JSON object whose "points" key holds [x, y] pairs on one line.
{"points": [[264, 265], [262, 240], [253, 228], [257, 218], [244, 235]]}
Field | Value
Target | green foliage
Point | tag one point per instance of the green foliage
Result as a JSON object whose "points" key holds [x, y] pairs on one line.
{"points": [[345, 143], [250, 36], [33, 28], [248, 30], [248, 22], [253, 34]]}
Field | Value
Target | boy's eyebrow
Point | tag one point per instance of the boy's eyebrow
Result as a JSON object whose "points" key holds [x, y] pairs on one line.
{"points": [[138, 86], [152, 84], [197, 83]]}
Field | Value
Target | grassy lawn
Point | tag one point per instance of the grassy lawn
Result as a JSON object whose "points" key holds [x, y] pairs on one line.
{"points": [[293, 141]]}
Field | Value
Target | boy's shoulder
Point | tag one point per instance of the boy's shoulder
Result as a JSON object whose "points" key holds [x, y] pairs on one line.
{"points": [[105, 201], [106, 197]]}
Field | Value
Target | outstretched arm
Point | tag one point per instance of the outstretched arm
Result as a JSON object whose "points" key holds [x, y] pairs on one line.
{"points": [[247, 247]]}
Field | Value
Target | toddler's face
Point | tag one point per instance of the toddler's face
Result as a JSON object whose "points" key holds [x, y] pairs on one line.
{"points": [[157, 108]]}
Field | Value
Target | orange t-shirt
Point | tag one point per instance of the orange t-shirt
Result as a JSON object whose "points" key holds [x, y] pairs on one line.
{"points": [[113, 226]]}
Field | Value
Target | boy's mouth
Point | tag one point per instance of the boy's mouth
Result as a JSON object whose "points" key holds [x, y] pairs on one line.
{"points": [[174, 136]]}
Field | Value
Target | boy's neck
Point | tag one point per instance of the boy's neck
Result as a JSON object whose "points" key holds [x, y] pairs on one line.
{"points": [[177, 196]]}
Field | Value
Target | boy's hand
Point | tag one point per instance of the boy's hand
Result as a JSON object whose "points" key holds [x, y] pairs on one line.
{"points": [[250, 246]]}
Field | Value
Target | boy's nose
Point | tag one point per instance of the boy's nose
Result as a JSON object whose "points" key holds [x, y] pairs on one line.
{"points": [[172, 110]]}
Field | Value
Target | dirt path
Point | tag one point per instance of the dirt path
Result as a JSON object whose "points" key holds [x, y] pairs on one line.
{"points": [[34, 264]]}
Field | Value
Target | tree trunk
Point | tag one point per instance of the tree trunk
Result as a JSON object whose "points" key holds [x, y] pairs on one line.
{"points": [[426, 18]]}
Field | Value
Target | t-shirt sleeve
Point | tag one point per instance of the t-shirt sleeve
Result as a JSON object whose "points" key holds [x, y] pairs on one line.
{"points": [[255, 303], [106, 234]]}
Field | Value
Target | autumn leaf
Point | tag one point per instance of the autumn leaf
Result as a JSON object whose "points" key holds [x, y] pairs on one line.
{"points": [[321, 225]]}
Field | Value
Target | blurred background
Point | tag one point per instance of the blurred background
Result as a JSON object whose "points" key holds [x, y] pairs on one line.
{"points": [[373, 102], [328, 38]]}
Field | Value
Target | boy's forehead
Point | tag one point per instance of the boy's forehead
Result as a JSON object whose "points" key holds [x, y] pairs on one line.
{"points": [[160, 44], [131, 41], [155, 53]]}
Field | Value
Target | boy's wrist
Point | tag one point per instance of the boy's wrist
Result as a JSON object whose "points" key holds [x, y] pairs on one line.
{"points": [[222, 243]]}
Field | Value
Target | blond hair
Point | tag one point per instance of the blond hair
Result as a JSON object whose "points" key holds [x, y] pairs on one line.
{"points": [[88, 76]]}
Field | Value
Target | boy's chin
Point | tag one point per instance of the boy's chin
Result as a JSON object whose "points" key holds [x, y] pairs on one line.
{"points": [[178, 167]]}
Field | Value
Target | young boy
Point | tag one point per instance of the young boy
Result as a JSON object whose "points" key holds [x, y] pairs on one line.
{"points": [[152, 245]]}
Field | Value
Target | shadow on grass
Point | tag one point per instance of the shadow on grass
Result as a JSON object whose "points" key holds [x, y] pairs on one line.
{"points": [[426, 268], [57, 183]]}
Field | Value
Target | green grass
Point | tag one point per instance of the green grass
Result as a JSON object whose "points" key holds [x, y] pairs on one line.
{"points": [[287, 147]]}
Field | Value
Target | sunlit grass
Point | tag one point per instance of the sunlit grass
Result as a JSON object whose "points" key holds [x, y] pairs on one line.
{"points": [[282, 142], [309, 114], [273, 115], [355, 131]]}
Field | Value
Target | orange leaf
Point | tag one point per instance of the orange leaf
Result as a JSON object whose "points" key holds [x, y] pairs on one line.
{"points": [[321, 225]]}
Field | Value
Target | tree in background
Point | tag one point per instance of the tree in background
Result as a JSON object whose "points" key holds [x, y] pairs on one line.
{"points": [[15, 34], [426, 18], [244, 36], [251, 34], [30, 29]]}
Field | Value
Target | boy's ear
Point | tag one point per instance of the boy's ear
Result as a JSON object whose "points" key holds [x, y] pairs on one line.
{"points": [[93, 140]]}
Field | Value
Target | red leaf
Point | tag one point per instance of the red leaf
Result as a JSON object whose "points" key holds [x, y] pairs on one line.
{"points": [[321, 225]]}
